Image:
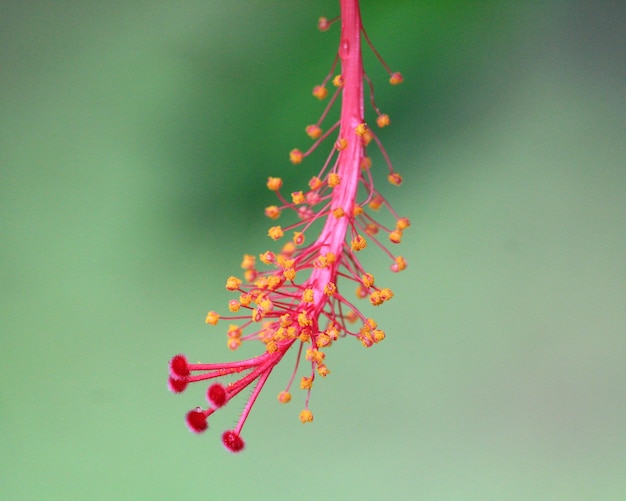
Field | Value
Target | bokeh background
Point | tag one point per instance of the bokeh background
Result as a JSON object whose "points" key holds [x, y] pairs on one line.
{"points": [[135, 140]]}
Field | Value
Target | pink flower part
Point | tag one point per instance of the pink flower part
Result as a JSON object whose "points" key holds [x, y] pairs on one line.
{"points": [[295, 299]]}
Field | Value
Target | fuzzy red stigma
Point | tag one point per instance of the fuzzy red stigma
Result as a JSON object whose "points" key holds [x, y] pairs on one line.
{"points": [[177, 385], [179, 368], [196, 420], [216, 395], [232, 441]]}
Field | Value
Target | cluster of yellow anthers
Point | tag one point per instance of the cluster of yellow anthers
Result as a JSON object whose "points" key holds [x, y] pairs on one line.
{"points": [[295, 298]]}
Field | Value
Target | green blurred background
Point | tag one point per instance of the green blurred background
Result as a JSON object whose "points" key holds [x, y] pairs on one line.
{"points": [[136, 138]]}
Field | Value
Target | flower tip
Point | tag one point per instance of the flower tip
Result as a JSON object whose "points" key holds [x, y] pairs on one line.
{"points": [[232, 441], [216, 395], [323, 24], [179, 368], [196, 420]]}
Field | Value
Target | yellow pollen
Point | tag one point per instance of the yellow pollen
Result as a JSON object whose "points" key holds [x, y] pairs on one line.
{"points": [[306, 383], [366, 163], [358, 243], [376, 202], [233, 283], [297, 197], [306, 416], [267, 257], [379, 335], [296, 156], [245, 299], [322, 340], [383, 120], [357, 210], [399, 264], [320, 92], [212, 318], [271, 347], [234, 331], [289, 273], [315, 183], [275, 232], [330, 289], [313, 131], [322, 370], [234, 305], [248, 262], [339, 212], [395, 236], [274, 183], [396, 78], [371, 229], [361, 129], [338, 81], [284, 397], [341, 144], [307, 295], [403, 223], [367, 279], [333, 179], [395, 179], [304, 320], [233, 343]]}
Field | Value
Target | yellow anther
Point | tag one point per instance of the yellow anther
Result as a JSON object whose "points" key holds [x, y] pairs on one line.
{"points": [[288, 263], [265, 304], [306, 383], [305, 334], [366, 163], [313, 131], [333, 179], [233, 343], [250, 275], [341, 144], [376, 202], [298, 237], [272, 211], [304, 320], [274, 183], [245, 299], [367, 137], [289, 273], [297, 197], [357, 210], [403, 223], [234, 331], [307, 295], [234, 305], [361, 129], [395, 236], [396, 78], [367, 279], [320, 92], [275, 232], [267, 257], [306, 416], [399, 264], [233, 283], [315, 183], [296, 156], [370, 324], [284, 397], [395, 179], [285, 320], [358, 243], [338, 81], [339, 212], [361, 292], [212, 318], [322, 370], [321, 261], [376, 298], [256, 315], [315, 355], [271, 347], [248, 262], [383, 120], [330, 257], [379, 335], [332, 332], [330, 289], [371, 229], [273, 282], [386, 294], [322, 340], [352, 317]]}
